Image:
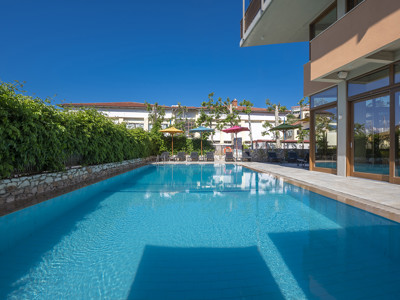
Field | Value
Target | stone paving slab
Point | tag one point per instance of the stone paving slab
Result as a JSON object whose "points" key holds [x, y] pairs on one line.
{"points": [[378, 197]]}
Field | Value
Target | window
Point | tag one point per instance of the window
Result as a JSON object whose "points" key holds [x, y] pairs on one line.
{"points": [[131, 125], [397, 134], [368, 83], [325, 138], [352, 3], [324, 97], [397, 73], [326, 19], [371, 135]]}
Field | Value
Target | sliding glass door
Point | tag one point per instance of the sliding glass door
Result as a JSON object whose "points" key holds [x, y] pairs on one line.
{"points": [[397, 134], [371, 137]]}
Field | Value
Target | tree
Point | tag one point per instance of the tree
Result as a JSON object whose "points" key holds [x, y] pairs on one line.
{"points": [[179, 116], [278, 108], [247, 105], [207, 115], [302, 133], [156, 116]]}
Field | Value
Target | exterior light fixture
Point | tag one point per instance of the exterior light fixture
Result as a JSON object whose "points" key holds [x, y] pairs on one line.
{"points": [[342, 74]]}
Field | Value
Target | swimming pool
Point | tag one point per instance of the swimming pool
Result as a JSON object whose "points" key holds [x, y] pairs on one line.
{"points": [[197, 232]]}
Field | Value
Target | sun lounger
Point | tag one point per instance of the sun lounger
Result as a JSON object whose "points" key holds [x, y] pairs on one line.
{"points": [[272, 157], [194, 156], [246, 156], [303, 161], [292, 156], [165, 156], [181, 156], [229, 156], [210, 156]]}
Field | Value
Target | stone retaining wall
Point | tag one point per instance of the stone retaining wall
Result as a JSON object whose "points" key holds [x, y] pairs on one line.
{"points": [[17, 193]]}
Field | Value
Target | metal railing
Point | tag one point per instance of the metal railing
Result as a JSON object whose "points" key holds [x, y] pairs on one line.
{"points": [[251, 12]]}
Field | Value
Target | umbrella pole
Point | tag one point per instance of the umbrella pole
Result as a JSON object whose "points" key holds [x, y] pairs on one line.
{"points": [[172, 144], [236, 146], [201, 141]]}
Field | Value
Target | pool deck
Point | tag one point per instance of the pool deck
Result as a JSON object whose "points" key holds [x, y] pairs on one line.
{"points": [[380, 198]]}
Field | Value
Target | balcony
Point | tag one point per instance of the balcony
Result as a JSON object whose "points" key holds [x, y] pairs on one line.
{"points": [[251, 12], [365, 39], [269, 22]]}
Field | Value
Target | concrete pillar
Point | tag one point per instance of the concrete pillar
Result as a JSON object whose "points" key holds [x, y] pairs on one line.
{"points": [[146, 123], [341, 8], [342, 129]]}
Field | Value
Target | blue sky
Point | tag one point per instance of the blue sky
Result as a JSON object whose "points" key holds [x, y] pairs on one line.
{"points": [[155, 51]]}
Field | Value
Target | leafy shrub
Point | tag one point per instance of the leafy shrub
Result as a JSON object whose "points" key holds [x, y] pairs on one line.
{"points": [[37, 136]]}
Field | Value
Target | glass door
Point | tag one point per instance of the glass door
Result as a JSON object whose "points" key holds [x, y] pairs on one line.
{"points": [[371, 138], [397, 134]]}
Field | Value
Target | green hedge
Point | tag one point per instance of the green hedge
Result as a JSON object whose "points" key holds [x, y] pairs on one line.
{"points": [[181, 143], [37, 136]]}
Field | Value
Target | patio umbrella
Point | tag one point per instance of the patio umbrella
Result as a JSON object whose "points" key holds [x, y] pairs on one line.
{"points": [[201, 130], [172, 130], [235, 129], [284, 127]]}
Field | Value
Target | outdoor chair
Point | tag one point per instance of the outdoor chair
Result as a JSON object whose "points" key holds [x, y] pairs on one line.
{"points": [[246, 156], [210, 156], [292, 156], [181, 156], [272, 157], [229, 156], [165, 156], [303, 161], [194, 156]]}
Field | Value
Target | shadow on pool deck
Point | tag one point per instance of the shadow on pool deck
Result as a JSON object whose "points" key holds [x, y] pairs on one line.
{"points": [[203, 273]]}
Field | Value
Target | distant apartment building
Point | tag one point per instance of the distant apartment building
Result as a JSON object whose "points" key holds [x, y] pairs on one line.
{"points": [[352, 78], [135, 115]]}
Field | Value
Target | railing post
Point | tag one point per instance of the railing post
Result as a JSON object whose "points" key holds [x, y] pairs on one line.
{"points": [[244, 18]]}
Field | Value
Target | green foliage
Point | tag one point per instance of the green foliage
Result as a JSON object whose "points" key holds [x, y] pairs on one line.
{"points": [[182, 143], [179, 116], [41, 137]]}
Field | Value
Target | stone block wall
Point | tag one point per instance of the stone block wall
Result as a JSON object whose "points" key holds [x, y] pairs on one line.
{"points": [[17, 193]]}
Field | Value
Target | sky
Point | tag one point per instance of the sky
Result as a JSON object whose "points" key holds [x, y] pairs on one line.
{"points": [[79, 51]]}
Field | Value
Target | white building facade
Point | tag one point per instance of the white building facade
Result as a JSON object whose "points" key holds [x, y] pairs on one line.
{"points": [[135, 115]]}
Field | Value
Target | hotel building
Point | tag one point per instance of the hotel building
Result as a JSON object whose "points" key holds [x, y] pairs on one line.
{"points": [[135, 115], [352, 78]]}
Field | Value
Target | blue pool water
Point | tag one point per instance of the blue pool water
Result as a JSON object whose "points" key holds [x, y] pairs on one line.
{"points": [[197, 232]]}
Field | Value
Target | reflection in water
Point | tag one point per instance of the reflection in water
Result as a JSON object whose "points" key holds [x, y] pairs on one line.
{"points": [[218, 231]]}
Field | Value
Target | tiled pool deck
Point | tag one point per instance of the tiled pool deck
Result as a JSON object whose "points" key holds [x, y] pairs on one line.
{"points": [[381, 198]]}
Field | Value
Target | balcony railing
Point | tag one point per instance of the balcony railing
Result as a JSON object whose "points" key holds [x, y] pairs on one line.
{"points": [[251, 12]]}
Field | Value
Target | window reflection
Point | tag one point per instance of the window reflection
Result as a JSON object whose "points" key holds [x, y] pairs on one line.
{"points": [[397, 73], [325, 138], [368, 83], [397, 134], [326, 19], [324, 97], [371, 135]]}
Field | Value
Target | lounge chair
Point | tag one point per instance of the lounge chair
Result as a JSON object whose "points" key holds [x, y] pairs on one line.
{"points": [[303, 161], [229, 156], [292, 156], [246, 156], [165, 156], [194, 156], [181, 156], [210, 156], [272, 157]]}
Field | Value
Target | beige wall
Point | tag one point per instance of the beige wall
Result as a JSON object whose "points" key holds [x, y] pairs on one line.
{"points": [[369, 27], [313, 87]]}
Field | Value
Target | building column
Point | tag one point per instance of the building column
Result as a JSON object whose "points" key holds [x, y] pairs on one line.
{"points": [[146, 123], [342, 129]]}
